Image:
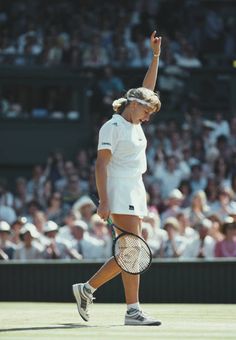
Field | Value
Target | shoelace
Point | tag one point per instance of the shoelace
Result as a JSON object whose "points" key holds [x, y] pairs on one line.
{"points": [[90, 299], [140, 312]]}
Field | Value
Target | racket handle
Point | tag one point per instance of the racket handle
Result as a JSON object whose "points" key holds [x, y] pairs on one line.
{"points": [[109, 221]]}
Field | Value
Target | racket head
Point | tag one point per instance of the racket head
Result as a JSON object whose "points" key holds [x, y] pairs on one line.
{"points": [[132, 253]]}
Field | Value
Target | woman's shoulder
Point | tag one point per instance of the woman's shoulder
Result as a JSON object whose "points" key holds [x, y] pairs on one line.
{"points": [[115, 120], [114, 123]]}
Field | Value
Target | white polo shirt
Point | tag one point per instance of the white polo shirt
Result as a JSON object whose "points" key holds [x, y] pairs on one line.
{"points": [[127, 143]]}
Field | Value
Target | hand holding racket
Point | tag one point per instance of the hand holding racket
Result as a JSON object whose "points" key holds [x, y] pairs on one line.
{"points": [[131, 252]]}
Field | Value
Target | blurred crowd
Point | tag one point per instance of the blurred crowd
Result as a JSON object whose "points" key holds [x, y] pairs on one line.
{"points": [[93, 34], [191, 176], [191, 190]]}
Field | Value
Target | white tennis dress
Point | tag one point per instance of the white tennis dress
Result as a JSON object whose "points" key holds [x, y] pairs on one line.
{"points": [[125, 188]]}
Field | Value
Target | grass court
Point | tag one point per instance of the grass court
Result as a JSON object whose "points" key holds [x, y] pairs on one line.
{"points": [[19, 320]]}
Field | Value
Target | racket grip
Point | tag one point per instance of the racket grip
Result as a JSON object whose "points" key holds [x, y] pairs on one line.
{"points": [[109, 221]]}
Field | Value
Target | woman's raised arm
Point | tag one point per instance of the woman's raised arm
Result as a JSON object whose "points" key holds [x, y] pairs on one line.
{"points": [[151, 76]]}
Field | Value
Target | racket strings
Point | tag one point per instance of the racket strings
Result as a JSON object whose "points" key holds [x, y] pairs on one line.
{"points": [[132, 254]]}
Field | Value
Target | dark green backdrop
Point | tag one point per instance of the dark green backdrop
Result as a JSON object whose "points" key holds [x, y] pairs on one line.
{"points": [[166, 282]]}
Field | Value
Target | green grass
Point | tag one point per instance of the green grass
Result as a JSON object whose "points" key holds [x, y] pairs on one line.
{"points": [[61, 321]]}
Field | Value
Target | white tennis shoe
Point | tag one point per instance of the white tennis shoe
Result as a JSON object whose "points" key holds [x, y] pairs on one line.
{"points": [[84, 298], [135, 317]]}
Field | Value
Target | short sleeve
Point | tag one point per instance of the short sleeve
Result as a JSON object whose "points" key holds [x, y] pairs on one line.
{"points": [[108, 136]]}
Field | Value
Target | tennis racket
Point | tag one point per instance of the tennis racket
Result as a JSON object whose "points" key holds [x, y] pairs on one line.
{"points": [[131, 252]]}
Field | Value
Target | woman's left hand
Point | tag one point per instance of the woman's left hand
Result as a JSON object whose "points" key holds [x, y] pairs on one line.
{"points": [[155, 43]]}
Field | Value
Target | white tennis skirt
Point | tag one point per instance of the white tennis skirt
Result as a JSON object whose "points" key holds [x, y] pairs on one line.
{"points": [[127, 196]]}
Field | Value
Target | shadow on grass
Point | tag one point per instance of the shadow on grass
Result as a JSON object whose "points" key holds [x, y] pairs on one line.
{"points": [[59, 326]]}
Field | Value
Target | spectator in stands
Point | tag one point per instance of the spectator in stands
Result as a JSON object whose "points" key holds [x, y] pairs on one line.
{"points": [[222, 144], [45, 194], [185, 189], [197, 179], [54, 52], [83, 166], [221, 126], [21, 196], [227, 247], [100, 231], [6, 246], [39, 220], [57, 249], [63, 181], [54, 169], [33, 206], [66, 231], [84, 208], [187, 57], [224, 206], [6, 197], [86, 245], [147, 233], [216, 230], [202, 245], [7, 214], [29, 248], [154, 194], [16, 228], [222, 171], [72, 191], [194, 119], [198, 149], [175, 244], [36, 182], [185, 229], [55, 210], [211, 190], [198, 208], [152, 233], [175, 147], [174, 202], [170, 174]]}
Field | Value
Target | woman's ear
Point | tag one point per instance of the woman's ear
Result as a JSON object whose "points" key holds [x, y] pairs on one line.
{"points": [[133, 105]]}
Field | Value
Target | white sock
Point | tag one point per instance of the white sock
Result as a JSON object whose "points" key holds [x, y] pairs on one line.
{"points": [[134, 306], [89, 288]]}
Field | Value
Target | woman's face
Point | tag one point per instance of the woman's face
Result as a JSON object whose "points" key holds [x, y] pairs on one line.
{"points": [[231, 231], [197, 200], [140, 113], [27, 239]]}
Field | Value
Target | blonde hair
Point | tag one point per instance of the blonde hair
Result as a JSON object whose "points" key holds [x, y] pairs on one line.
{"points": [[142, 95], [203, 199]]}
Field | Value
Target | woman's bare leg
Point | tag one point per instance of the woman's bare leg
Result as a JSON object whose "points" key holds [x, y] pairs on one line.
{"points": [[110, 269], [130, 282], [107, 272]]}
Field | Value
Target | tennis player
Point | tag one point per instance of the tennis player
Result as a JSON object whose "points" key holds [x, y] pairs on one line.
{"points": [[120, 163]]}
